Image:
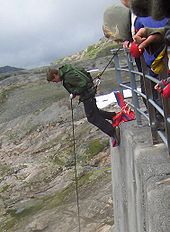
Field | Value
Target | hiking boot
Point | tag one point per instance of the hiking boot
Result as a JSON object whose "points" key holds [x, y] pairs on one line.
{"points": [[114, 142], [116, 139]]}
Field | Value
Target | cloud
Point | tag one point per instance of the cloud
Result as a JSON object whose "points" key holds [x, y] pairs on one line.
{"points": [[35, 32]]}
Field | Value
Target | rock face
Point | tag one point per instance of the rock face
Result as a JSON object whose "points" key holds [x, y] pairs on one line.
{"points": [[37, 174]]}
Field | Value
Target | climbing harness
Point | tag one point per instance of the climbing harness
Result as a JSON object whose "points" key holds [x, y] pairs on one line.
{"points": [[75, 163]]}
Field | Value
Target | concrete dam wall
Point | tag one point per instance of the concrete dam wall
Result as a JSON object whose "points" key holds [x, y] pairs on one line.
{"points": [[141, 182]]}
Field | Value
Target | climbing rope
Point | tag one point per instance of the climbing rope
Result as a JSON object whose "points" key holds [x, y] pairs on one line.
{"points": [[75, 164], [97, 78]]}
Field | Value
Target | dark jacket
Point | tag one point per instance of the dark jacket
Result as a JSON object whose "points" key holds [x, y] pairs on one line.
{"points": [[77, 82]]}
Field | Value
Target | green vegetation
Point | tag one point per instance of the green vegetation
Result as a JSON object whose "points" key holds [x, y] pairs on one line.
{"points": [[95, 146], [36, 205], [8, 224], [95, 51], [86, 179], [100, 49], [4, 188], [4, 93], [5, 170], [91, 52], [105, 51], [13, 216], [57, 160], [3, 96]]}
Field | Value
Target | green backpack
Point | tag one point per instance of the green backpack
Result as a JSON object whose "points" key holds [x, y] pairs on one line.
{"points": [[71, 74]]}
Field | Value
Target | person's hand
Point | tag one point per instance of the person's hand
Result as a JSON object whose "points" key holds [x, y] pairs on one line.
{"points": [[143, 41], [158, 88], [126, 44], [97, 81], [150, 40], [140, 36], [160, 85], [72, 96], [164, 91]]}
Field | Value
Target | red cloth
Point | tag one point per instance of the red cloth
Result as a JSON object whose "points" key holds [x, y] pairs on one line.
{"points": [[125, 114], [166, 91], [134, 50]]}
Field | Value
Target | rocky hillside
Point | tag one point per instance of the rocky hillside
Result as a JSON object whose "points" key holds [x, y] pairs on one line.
{"points": [[94, 56], [37, 174]]}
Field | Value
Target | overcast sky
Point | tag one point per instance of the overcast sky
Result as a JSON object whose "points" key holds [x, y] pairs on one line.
{"points": [[35, 32]]}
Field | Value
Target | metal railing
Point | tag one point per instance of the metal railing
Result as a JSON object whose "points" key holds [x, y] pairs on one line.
{"points": [[154, 108]]}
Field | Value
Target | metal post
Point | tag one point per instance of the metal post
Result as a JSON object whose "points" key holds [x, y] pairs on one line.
{"points": [[135, 99], [150, 107], [117, 71], [166, 107]]}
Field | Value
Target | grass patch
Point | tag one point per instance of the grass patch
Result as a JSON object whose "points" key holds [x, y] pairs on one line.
{"points": [[14, 217], [8, 224], [57, 160], [98, 50], [105, 50], [94, 147], [84, 179], [4, 94], [5, 170], [47, 202], [4, 188]]}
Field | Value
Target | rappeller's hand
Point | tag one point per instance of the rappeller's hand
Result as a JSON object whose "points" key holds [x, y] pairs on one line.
{"points": [[97, 81], [72, 96]]}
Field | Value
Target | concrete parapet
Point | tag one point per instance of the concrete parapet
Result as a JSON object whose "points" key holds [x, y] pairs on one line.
{"points": [[141, 182]]}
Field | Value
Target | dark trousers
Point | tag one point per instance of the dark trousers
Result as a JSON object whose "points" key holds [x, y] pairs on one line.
{"points": [[99, 117]]}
